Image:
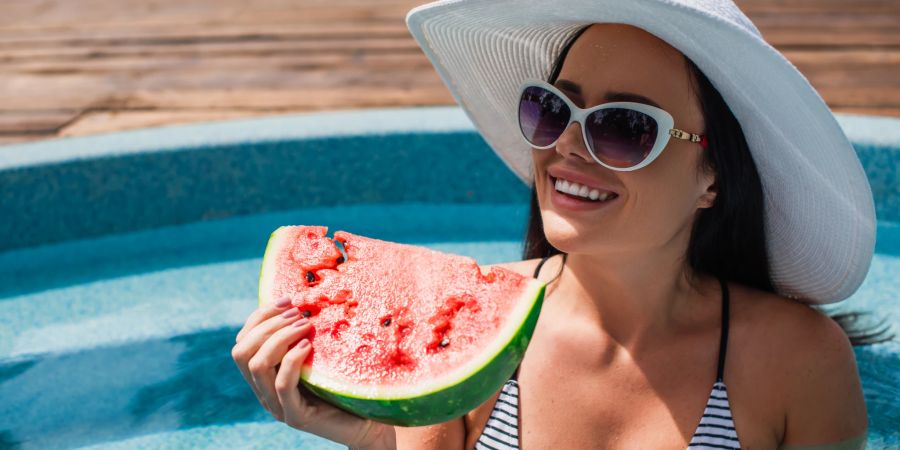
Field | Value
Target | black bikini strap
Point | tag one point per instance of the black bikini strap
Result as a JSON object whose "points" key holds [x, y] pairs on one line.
{"points": [[723, 339], [537, 269]]}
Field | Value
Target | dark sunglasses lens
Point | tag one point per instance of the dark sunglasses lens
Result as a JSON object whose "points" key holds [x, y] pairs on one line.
{"points": [[621, 137], [543, 116]]}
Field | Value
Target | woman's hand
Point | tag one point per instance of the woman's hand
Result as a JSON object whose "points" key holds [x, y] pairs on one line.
{"points": [[271, 366]]}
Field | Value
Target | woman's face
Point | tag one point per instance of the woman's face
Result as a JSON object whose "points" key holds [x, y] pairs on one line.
{"points": [[655, 205]]}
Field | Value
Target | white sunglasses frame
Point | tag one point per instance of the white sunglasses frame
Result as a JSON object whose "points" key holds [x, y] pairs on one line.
{"points": [[665, 124]]}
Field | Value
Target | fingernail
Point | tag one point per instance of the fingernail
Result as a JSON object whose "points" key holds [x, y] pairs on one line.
{"points": [[290, 313], [283, 303], [301, 322], [304, 343]]}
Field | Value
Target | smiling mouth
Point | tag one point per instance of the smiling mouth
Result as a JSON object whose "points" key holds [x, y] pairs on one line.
{"points": [[581, 192]]}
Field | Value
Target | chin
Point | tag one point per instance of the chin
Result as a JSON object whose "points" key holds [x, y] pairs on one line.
{"points": [[565, 235]]}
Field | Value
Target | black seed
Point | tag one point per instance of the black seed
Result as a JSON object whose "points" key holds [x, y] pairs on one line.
{"points": [[386, 322], [445, 342], [340, 259], [310, 277], [307, 313]]}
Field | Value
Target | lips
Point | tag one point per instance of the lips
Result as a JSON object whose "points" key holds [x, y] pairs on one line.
{"points": [[572, 191], [570, 176], [581, 191]]}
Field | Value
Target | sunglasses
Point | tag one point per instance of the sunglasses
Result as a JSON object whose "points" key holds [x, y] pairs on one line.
{"points": [[621, 136]]}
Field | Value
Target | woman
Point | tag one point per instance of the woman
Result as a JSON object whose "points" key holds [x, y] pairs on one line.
{"points": [[666, 322]]}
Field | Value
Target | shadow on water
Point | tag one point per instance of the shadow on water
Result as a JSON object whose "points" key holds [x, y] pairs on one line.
{"points": [[206, 388], [7, 442], [14, 369], [112, 393]]}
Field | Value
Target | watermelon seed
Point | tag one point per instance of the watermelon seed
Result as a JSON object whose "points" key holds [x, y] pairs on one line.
{"points": [[307, 313], [310, 277], [386, 322], [340, 259], [445, 342]]}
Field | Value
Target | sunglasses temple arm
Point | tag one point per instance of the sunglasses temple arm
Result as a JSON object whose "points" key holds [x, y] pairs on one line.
{"points": [[679, 134]]}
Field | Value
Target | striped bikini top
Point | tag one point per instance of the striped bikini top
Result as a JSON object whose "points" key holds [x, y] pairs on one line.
{"points": [[715, 431]]}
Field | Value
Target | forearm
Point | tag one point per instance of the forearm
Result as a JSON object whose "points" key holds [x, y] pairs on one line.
{"points": [[375, 436]]}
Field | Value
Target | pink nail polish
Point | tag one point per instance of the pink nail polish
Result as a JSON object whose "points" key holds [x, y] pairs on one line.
{"points": [[283, 303], [304, 343], [290, 313], [301, 322]]}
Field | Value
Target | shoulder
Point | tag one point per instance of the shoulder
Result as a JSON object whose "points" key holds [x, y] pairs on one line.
{"points": [[808, 362], [527, 267]]}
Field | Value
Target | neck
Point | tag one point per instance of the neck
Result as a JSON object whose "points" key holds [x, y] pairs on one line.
{"points": [[634, 298]]}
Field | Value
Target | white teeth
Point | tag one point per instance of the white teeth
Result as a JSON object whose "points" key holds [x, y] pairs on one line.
{"points": [[579, 190]]}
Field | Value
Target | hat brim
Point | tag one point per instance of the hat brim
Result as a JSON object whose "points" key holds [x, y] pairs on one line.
{"points": [[819, 211]]}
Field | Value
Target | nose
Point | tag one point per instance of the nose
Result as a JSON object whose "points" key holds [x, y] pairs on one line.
{"points": [[571, 144]]}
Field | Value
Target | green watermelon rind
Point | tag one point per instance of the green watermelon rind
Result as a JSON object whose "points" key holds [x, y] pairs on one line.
{"points": [[447, 402], [460, 393]]}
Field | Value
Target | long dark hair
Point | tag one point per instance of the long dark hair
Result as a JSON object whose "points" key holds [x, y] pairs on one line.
{"points": [[728, 239]]}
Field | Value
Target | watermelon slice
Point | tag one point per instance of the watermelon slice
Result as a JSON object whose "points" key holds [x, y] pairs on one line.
{"points": [[402, 334]]}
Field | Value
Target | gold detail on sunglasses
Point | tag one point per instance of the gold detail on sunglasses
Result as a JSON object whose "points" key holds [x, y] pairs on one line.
{"points": [[679, 134]]}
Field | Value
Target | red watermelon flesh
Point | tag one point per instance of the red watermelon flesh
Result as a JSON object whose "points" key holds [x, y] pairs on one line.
{"points": [[400, 330]]}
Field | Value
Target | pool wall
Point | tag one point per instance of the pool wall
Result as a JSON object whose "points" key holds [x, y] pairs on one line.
{"points": [[91, 186]]}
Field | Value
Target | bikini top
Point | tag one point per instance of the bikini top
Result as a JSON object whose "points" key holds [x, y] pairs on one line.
{"points": [[715, 431]]}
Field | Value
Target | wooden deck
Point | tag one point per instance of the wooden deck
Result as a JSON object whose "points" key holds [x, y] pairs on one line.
{"points": [[75, 67]]}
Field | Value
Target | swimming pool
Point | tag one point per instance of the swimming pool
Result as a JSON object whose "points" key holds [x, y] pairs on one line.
{"points": [[129, 261]]}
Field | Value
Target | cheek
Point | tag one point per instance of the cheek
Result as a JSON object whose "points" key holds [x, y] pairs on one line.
{"points": [[540, 159], [664, 199]]}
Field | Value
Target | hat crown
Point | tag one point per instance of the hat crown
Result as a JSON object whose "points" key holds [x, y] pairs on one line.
{"points": [[722, 9]]}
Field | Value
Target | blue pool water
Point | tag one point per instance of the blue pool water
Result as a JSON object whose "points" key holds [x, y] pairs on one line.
{"points": [[143, 350], [119, 306]]}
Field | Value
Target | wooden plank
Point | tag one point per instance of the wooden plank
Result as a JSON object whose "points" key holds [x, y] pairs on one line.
{"points": [[373, 59], [401, 62], [34, 122], [892, 111], [149, 62], [101, 121], [187, 34], [861, 96], [55, 92], [314, 45], [267, 103], [295, 99], [825, 39], [99, 14], [22, 138], [752, 7]]}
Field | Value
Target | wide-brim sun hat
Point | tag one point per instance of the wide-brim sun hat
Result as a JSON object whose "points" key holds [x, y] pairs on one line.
{"points": [[819, 210]]}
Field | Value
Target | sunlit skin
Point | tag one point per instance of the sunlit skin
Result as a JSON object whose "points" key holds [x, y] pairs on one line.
{"points": [[624, 353]]}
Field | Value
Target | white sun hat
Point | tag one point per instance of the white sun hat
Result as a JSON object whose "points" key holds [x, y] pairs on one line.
{"points": [[819, 211]]}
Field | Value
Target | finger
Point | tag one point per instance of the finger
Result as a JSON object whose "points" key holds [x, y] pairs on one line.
{"points": [[294, 405], [261, 314], [304, 411], [249, 345], [262, 365]]}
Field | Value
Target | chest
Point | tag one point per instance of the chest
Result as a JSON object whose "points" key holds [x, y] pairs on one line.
{"points": [[594, 394], [579, 391]]}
